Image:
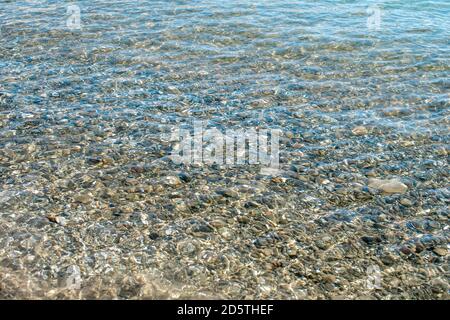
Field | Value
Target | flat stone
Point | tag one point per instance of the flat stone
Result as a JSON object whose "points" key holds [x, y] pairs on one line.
{"points": [[440, 251], [61, 221], [405, 250], [329, 278], [82, 198], [388, 259], [185, 177], [406, 202], [228, 193], [388, 186], [218, 223], [172, 181], [56, 219], [370, 240], [360, 131]]}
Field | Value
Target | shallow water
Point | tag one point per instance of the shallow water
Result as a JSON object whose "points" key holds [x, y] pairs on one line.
{"points": [[87, 111]]}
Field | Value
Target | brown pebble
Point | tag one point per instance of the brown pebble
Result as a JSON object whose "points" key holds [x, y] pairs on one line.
{"points": [[329, 278], [440, 251], [405, 250], [52, 218]]}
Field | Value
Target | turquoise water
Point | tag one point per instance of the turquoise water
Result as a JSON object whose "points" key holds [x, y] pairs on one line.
{"points": [[129, 54], [228, 62]]}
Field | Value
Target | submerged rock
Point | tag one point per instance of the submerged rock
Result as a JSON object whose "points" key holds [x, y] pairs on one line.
{"points": [[360, 131], [388, 186], [172, 181], [440, 251]]}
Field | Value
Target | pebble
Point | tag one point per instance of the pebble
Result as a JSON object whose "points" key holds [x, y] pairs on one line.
{"points": [[187, 248], [371, 240], [51, 218], [440, 251], [93, 161], [388, 259], [418, 248], [405, 250], [201, 227], [137, 169], [406, 202], [61, 221], [388, 186], [226, 233], [329, 278], [153, 235], [228, 193], [82, 198], [360, 131], [439, 285], [218, 223], [185, 177], [172, 181], [56, 219]]}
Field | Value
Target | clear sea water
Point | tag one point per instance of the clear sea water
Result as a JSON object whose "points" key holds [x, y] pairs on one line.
{"points": [[226, 55], [83, 108]]}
